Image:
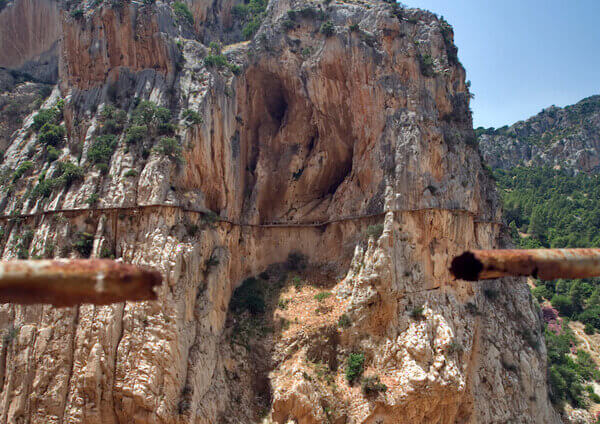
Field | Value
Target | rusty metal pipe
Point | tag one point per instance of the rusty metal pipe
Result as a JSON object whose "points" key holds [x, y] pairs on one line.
{"points": [[546, 264], [67, 282]]}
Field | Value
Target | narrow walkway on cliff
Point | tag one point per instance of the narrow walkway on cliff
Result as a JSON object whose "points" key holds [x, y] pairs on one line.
{"points": [[213, 218]]}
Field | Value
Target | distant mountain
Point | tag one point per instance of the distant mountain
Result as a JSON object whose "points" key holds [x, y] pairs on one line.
{"points": [[568, 137]]}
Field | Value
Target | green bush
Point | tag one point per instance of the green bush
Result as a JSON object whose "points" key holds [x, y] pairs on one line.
{"points": [[426, 64], [252, 15], [586, 366], [354, 367], [248, 297], [375, 231], [215, 48], [77, 13], [327, 28], [130, 173], [591, 316], [322, 296], [183, 12], [92, 199], [23, 241], [296, 261], [52, 135], [219, 61], [52, 154], [162, 114], [472, 308], [589, 329], [491, 293], [372, 385], [102, 150], [354, 28], [43, 188], [11, 332], [191, 117], [310, 12], [144, 113], [288, 24], [542, 292], [235, 69], [240, 10], [83, 243], [216, 60], [344, 321], [251, 28], [563, 304], [21, 170], [69, 173], [113, 120], [565, 374], [43, 117], [165, 128], [417, 312], [136, 133], [169, 146]]}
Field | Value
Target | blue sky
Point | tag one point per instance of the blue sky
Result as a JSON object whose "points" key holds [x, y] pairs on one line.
{"points": [[524, 55]]}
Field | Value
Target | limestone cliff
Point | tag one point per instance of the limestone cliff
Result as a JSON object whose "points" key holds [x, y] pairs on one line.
{"points": [[567, 137], [329, 162]]}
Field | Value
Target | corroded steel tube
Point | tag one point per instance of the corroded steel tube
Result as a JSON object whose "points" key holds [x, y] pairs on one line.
{"points": [[67, 282], [546, 264]]}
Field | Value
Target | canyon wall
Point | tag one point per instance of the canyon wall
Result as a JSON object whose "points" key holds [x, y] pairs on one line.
{"points": [[566, 137], [329, 162]]}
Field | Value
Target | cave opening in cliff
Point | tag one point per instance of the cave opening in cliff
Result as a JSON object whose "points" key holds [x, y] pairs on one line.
{"points": [[297, 153]]}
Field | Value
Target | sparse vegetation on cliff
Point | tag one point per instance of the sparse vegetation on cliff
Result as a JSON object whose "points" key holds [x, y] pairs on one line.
{"points": [[191, 117], [375, 231], [169, 146], [327, 28], [219, 61], [21, 170], [23, 241], [251, 14], [136, 133], [112, 120], [371, 386], [83, 243], [427, 65], [248, 297], [354, 367], [183, 13], [101, 151]]}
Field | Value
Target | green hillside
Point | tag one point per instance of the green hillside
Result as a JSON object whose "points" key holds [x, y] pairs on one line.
{"points": [[545, 207]]}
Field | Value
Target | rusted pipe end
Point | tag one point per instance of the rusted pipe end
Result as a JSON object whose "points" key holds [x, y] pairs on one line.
{"points": [[68, 282], [466, 267]]}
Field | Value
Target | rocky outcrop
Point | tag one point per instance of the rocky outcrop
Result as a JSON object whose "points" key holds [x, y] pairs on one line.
{"points": [[335, 120], [565, 137], [29, 34]]}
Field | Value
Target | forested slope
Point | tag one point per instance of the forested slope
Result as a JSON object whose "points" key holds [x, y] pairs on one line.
{"points": [[554, 207]]}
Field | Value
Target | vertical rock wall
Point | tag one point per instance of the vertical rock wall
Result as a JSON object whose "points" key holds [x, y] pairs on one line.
{"points": [[328, 134]]}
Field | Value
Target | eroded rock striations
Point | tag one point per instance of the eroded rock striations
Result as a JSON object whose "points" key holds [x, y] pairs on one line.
{"points": [[353, 114]]}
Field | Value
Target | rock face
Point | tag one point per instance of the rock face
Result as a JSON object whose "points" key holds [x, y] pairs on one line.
{"points": [[567, 137], [325, 158], [29, 33]]}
